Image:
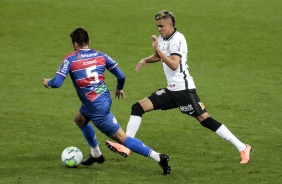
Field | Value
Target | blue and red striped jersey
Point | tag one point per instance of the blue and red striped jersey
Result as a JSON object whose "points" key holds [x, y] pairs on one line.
{"points": [[86, 68]]}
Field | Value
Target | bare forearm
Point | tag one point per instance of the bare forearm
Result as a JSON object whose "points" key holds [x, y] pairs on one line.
{"points": [[171, 62], [153, 58]]}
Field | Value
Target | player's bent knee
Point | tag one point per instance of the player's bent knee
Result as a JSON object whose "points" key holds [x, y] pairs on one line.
{"points": [[79, 122], [137, 110]]}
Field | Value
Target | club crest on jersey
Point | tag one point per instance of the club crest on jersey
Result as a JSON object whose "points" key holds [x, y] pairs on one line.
{"points": [[165, 47], [201, 105]]}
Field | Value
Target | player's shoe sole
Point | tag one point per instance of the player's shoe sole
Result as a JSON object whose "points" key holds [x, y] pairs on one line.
{"points": [[90, 160], [245, 154], [164, 164], [118, 148]]}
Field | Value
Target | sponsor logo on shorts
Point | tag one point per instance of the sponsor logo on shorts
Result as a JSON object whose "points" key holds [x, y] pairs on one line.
{"points": [[188, 108], [201, 105], [192, 112]]}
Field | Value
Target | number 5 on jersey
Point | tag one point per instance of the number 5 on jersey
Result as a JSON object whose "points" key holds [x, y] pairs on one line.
{"points": [[91, 74]]}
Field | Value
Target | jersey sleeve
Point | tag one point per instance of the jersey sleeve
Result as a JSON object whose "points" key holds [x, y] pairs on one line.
{"points": [[57, 81], [110, 63], [64, 67], [120, 77]]}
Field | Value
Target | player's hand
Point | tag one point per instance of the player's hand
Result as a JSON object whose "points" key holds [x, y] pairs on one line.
{"points": [[155, 42], [119, 93], [45, 82], [140, 64]]}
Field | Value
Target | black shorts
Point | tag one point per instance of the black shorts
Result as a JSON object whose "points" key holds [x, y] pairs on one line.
{"points": [[186, 100]]}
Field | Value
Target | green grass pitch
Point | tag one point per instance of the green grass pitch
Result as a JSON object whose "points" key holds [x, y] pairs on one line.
{"points": [[234, 56]]}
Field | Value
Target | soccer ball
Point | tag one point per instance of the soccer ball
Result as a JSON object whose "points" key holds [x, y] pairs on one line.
{"points": [[71, 156]]}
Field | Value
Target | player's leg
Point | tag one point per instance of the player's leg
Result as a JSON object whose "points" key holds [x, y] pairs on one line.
{"points": [[160, 99], [137, 110], [90, 136], [139, 147], [196, 108], [221, 130], [110, 127]]}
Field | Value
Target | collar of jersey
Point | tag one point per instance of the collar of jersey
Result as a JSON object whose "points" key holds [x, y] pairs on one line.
{"points": [[170, 36]]}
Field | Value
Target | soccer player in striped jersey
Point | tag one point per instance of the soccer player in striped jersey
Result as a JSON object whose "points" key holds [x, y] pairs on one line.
{"points": [[171, 49], [86, 68]]}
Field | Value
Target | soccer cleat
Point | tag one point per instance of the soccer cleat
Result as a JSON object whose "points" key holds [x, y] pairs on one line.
{"points": [[245, 154], [164, 164], [120, 149], [90, 160]]}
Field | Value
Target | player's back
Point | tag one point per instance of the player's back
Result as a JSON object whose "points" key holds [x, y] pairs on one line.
{"points": [[87, 73]]}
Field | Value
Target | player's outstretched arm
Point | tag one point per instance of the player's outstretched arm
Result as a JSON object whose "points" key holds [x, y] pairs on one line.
{"points": [[140, 64], [56, 82], [151, 59]]}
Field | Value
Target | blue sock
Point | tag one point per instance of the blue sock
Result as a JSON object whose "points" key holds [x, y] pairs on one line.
{"points": [[89, 134], [137, 146]]}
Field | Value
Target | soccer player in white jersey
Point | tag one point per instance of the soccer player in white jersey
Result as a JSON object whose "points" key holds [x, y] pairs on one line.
{"points": [[171, 49]]}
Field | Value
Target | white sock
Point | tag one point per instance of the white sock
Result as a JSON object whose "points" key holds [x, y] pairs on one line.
{"points": [[223, 132], [133, 125], [95, 151], [155, 156]]}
